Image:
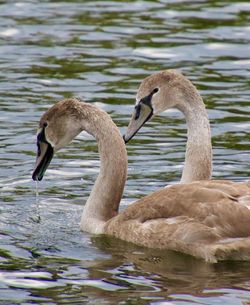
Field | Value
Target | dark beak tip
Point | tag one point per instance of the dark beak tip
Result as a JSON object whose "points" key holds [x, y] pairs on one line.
{"points": [[34, 177], [125, 140]]}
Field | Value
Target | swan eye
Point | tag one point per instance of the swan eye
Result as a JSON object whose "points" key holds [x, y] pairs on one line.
{"points": [[155, 90], [41, 135]]}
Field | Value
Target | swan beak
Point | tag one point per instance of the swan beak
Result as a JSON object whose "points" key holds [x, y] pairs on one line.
{"points": [[142, 113], [44, 155]]}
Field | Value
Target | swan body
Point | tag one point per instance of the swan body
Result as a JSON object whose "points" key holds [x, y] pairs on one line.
{"points": [[207, 219]]}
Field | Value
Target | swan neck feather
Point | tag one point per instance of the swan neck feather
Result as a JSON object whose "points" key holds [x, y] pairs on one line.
{"points": [[103, 202], [198, 156]]}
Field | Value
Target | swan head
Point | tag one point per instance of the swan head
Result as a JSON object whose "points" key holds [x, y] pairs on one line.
{"points": [[57, 127], [158, 92]]}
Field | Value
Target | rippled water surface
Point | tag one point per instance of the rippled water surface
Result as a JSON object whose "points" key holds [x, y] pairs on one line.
{"points": [[100, 51]]}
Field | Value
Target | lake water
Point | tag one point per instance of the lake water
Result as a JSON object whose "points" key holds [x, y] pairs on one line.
{"points": [[100, 51]]}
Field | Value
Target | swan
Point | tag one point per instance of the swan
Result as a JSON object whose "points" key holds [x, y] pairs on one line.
{"points": [[170, 89], [205, 220]]}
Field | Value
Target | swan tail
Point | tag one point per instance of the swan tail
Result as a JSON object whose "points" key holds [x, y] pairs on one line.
{"points": [[230, 249]]}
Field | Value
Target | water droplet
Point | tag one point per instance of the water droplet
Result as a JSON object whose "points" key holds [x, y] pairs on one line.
{"points": [[37, 218]]}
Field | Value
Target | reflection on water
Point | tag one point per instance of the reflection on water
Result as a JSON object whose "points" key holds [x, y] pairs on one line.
{"points": [[100, 51]]}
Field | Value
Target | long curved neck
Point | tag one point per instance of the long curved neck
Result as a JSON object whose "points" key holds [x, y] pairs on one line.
{"points": [[198, 157], [103, 202]]}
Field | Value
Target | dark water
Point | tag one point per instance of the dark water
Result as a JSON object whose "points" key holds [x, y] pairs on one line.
{"points": [[100, 51]]}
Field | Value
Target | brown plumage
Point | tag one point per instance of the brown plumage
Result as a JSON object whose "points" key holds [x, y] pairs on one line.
{"points": [[204, 219], [207, 219]]}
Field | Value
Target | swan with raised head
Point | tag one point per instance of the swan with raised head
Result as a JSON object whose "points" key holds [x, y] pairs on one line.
{"points": [[206, 220], [170, 89]]}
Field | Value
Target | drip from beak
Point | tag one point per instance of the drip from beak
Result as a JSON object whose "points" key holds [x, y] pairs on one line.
{"points": [[142, 113], [44, 156]]}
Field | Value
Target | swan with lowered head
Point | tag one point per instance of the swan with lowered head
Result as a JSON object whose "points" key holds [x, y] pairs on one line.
{"points": [[206, 220]]}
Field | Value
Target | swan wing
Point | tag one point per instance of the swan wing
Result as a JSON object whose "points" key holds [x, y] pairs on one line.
{"points": [[206, 219]]}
